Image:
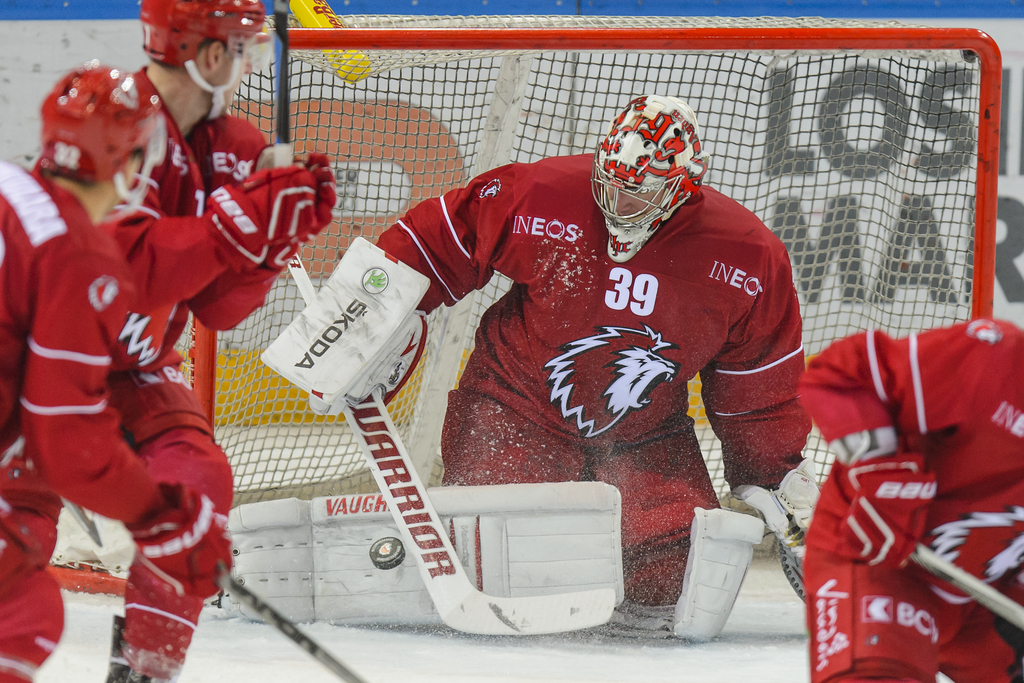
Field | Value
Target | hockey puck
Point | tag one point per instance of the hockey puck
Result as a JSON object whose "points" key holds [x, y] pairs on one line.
{"points": [[387, 553]]}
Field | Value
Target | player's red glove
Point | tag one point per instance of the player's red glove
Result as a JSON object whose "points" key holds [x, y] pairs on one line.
{"points": [[19, 551], [184, 542], [326, 197], [326, 186], [889, 500], [264, 221]]}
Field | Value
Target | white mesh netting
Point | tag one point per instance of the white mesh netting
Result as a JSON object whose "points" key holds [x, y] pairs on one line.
{"points": [[863, 164]]}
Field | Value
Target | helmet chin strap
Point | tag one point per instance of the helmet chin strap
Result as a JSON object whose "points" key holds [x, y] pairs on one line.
{"points": [[155, 152], [221, 93]]}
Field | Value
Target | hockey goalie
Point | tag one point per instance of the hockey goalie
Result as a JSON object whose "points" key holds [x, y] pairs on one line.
{"points": [[630, 276]]}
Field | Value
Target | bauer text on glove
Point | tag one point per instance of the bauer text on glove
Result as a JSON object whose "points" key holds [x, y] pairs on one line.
{"points": [[889, 500], [265, 220]]}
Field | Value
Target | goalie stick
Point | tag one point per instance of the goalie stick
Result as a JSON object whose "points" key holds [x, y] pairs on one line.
{"points": [[87, 523], [274, 618], [459, 603], [984, 594]]}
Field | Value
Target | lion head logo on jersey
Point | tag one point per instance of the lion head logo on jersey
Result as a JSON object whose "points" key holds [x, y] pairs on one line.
{"points": [[609, 374], [986, 544]]}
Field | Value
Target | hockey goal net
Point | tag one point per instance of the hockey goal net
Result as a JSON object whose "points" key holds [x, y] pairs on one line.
{"points": [[868, 148]]}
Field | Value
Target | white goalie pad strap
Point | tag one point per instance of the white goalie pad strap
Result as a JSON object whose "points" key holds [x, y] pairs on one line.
{"points": [[338, 343], [721, 547], [513, 540]]}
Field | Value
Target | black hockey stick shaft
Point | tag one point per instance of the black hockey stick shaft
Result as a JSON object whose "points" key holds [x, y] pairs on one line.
{"points": [[284, 130], [286, 626], [87, 523]]}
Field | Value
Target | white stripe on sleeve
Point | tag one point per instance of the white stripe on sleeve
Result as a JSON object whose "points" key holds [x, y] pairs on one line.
{"points": [[451, 228], [915, 376], [430, 263], [876, 375], [763, 367], [92, 409], [73, 356], [19, 667]]}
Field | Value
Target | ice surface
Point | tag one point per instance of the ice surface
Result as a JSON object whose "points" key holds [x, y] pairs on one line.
{"points": [[764, 642]]}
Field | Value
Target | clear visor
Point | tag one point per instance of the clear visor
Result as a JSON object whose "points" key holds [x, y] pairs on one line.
{"points": [[627, 207], [155, 133], [250, 53], [259, 50]]}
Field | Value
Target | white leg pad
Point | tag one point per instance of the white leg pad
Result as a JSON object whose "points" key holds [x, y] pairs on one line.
{"points": [[273, 555], [721, 547], [512, 540]]}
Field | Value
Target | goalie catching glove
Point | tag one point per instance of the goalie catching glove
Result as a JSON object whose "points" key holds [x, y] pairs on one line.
{"points": [[361, 332], [265, 220], [185, 543], [787, 513]]}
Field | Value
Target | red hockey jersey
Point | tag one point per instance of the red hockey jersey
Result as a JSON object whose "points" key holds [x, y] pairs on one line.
{"points": [[65, 294], [955, 395], [226, 150], [175, 263], [603, 351]]}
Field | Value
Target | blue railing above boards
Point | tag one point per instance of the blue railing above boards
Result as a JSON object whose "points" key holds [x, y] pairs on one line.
{"points": [[67, 10]]}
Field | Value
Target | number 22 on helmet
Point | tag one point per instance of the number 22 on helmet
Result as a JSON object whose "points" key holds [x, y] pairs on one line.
{"points": [[96, 128]]}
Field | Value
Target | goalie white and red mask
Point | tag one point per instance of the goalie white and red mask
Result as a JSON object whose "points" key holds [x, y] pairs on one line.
{"points": [[94, 122], [174, 31], [648, 165]]}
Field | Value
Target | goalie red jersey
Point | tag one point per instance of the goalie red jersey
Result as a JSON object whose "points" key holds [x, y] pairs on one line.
{"points": [[601, 352], [580, 371], [929, 432]]}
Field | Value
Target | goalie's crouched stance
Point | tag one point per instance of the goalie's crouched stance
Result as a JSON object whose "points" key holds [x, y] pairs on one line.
{"points": [[340, 558]]}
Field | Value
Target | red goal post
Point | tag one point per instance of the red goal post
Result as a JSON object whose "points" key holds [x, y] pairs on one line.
{"points": [[881, 221]]}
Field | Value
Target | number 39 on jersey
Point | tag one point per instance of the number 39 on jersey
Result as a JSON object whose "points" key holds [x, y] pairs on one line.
{"points": [[639, 293]]}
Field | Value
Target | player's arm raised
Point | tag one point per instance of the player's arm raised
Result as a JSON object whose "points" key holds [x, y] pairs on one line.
{"points": [[251, 229]]}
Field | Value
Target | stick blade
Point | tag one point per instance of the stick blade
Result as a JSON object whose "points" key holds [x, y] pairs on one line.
{"points": [[524, 616]]}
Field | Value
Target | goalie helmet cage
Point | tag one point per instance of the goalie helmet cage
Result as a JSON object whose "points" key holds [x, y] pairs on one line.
{"points": [[870, 149]]}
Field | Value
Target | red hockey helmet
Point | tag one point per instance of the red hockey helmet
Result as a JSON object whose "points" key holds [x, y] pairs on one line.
{"points": [[94, 120], [650, 162], [173, 29]]}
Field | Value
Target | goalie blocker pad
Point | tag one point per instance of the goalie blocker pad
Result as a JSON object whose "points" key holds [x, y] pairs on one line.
{"points": [[361, 331], [311, 560]]}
